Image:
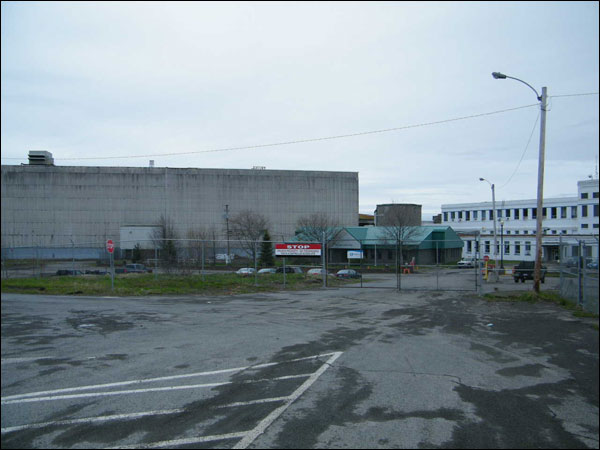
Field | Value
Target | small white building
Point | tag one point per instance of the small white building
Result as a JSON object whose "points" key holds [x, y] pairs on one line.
{"points": [[568, 221]]}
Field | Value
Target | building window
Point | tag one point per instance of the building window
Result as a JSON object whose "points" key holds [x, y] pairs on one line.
{"points": [[554, 231], [584, 225], [445, 217], [460, 215], [507, 213], [528, 248], [507, 248], [595, 225], [517, 214], [584, 195], [483, 215], [544, 215], [563, 212], [491, 214], [584, 210], [595, 194], [573, 212], [474, 215], [467, 215], [553, 213], [534, 213], [469, 246], [499, 214], [595, 210], [516, 231], [487, 246], [525, 213], [517, 247]]}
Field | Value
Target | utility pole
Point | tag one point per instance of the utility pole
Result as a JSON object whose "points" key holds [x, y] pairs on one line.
{"points": [[540, 193]]}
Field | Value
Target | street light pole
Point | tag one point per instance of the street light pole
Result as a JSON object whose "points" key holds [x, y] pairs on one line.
{"points": [[540, 187], [493, 218]]}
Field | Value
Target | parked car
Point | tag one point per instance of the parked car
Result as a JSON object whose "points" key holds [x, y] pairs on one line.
{"points": [[316, 272], [267, 271], [246, 271], [69, 272], [593, 264], [96, 272], [525, 271], [466, 263], [289, 269], [347, 273], [137, 268]]}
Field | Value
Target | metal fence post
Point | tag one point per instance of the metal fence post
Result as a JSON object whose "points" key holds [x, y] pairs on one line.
{"points": [[323, 258], [203, 261], [579, 275], [255, 263], [437, 265]]}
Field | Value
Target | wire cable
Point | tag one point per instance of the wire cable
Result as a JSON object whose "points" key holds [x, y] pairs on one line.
{"points": [[524, 151], [300, 141]]}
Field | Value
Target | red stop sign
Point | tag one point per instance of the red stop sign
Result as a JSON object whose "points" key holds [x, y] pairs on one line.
{"points": [[486, 258], [110, 246]]}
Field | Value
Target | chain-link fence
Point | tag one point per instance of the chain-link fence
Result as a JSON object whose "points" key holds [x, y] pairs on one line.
{"points": [[579, 274], [394, 264], [380, 263]]}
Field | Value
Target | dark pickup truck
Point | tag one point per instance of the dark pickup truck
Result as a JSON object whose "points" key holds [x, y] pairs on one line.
{"points": [[525, 271]]}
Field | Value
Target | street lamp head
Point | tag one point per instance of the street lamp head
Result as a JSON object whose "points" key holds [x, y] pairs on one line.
{"points": [[498, 75], [481, 179]]}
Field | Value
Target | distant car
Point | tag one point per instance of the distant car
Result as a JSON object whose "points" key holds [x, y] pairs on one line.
{"points": [[246, 271], [69, 272], [593, 264], [289, 269], [267, 271], [316, 272], [136, 268], [466, 263], [525, 271], [348, 273], [571, 262]]}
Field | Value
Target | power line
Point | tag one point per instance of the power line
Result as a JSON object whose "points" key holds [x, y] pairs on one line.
{"points": [[524, 151], [301, 141]]}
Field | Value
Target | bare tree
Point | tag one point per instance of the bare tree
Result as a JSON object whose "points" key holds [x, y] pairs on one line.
{"points": [[163, 238], [317, 227], [399, 230], [312, 227], [248, 227]]}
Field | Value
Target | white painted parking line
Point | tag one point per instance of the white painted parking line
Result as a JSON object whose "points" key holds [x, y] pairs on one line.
{"points": [[144, 391], [137, 415], [262, 426], [246, 437], [154, 380], [188, 441]]}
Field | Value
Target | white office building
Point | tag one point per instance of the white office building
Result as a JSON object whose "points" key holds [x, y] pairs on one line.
{"points": [[570, 222]]}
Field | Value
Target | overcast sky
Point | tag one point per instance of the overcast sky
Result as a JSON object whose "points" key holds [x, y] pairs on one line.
{"points": [[148, 80]]}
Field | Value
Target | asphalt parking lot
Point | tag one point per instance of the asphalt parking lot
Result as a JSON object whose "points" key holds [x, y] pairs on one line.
{"points": [[335, 368]]}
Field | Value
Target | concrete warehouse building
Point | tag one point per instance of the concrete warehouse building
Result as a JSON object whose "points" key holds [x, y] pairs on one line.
{"points": [[62, 207]]}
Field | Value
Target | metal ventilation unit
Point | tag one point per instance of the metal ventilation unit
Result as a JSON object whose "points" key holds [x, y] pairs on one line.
{"points": [[40, 158]]}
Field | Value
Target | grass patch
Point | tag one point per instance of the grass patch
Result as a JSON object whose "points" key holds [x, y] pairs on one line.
{"points": [[164, 284], [544, 296]]}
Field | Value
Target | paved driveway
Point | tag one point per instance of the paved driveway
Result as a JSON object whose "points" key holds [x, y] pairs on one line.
{"points": [[344, 368]]}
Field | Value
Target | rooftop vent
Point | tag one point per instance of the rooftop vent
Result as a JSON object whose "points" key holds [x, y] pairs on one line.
{"points": [[40, 158]]}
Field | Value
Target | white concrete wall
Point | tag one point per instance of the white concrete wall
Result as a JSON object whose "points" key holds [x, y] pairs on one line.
{"points": [[52, 205]]}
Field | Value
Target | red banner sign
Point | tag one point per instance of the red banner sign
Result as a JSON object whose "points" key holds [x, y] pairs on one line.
{"points": [[298, 249]]}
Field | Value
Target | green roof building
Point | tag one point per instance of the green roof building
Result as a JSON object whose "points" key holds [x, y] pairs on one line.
{"points": [[426, 244]]}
